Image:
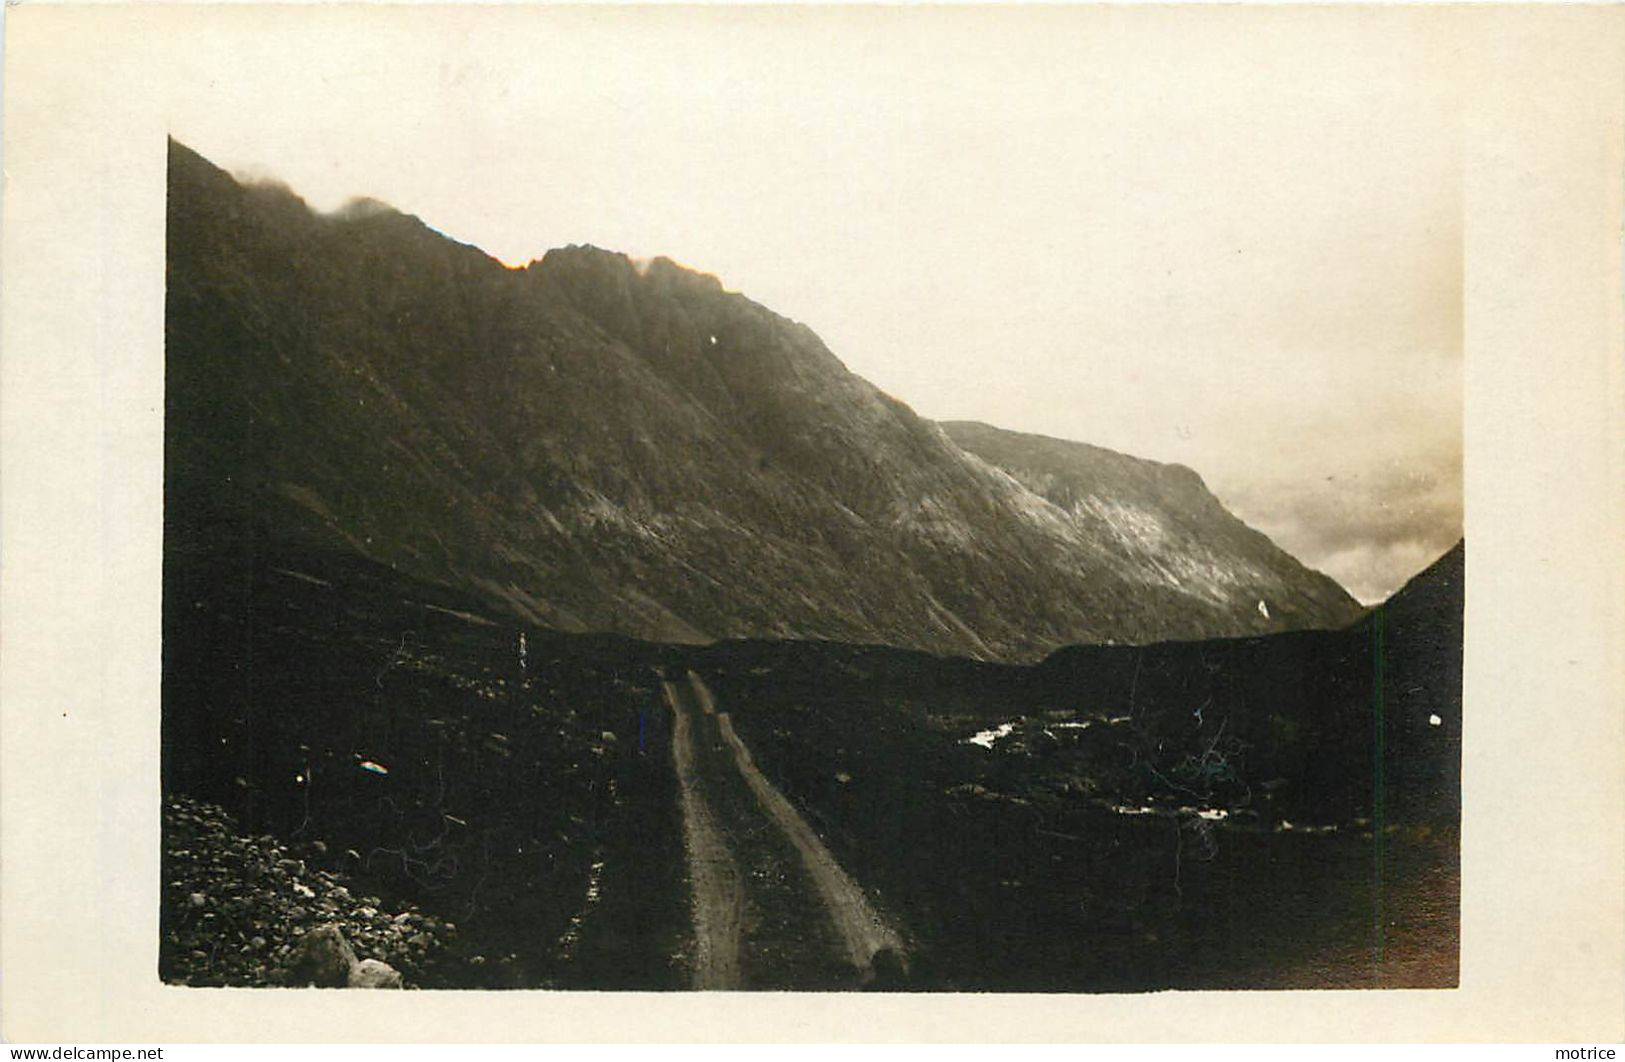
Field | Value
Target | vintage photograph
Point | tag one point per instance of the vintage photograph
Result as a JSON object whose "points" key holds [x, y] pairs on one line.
{"points": [[902, 499]]}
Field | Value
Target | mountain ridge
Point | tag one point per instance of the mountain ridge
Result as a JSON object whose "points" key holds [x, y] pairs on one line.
{"points": [[589, 444]]}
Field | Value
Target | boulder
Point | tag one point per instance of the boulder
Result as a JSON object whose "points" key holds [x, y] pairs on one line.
{"points": [[323, 958], [371, 973]]}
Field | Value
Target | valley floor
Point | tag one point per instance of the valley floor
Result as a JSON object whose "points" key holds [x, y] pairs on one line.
{"points": [[589, 812]]}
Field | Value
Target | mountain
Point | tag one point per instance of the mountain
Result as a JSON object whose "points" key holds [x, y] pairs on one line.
{"points": [[1421, 632], [587, 445], [1162, 522]]}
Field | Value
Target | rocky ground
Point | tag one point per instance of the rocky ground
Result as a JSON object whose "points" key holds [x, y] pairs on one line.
{"points": [[516, 782], [254, 911]]}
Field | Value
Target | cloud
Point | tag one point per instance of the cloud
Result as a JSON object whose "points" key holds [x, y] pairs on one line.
{"points": [[1372, 528]]}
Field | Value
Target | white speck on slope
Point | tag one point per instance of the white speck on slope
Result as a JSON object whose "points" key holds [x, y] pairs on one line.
{"points": [[987, 737]]}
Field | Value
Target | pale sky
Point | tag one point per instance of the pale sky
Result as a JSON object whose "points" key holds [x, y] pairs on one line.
{"points": [[1229, 238]]}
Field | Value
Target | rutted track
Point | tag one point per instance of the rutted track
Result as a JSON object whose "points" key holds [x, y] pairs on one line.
{"points": [[771, 906], [861, 928], [719, 897]]}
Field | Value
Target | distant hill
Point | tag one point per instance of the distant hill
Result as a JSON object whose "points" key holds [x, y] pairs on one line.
{"points": [[1422, 637], [585, 445]]}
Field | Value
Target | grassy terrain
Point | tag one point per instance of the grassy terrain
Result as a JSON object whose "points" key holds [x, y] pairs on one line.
{"points": [[1194, 815]]}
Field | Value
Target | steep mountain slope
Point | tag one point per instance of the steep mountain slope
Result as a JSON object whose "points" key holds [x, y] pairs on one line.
{"points": [[590, 446], [1162, 519]]}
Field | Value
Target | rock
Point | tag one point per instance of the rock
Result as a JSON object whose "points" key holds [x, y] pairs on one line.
{"points": [[257, 943], [198, 899], [324, 959], [402, 918], [371, 973]]}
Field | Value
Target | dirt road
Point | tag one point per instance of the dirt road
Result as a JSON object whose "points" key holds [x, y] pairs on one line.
{"points": [[719, 896], [772, 907]]}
